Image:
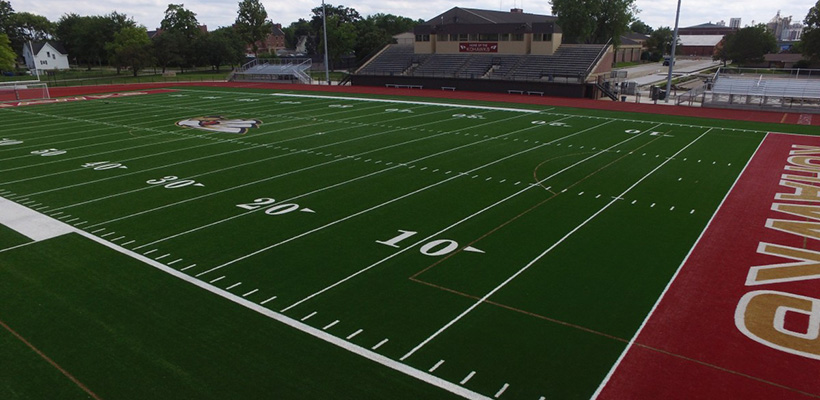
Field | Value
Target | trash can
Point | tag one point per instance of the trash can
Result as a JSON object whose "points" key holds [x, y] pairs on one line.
{"points": [[623, 99]]}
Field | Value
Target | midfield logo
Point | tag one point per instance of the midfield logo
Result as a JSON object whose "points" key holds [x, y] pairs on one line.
{"points": [[216, 123]]}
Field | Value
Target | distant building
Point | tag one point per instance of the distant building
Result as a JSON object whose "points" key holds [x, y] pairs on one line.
{"points": [[273, 42], [707, 29], [701, 40], [45, 56], [698, 45], [467, 30], [631, 47], [783, 29]]}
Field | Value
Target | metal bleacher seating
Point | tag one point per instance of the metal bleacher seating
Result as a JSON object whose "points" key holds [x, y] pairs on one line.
{"points": [[569, 62], [394, 60]]}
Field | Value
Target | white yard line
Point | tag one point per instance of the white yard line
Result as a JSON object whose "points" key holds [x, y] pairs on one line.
{"points": [[263, 179], [331, 186], [672, 280], [469, 217], [394, 199], [544, 253]]}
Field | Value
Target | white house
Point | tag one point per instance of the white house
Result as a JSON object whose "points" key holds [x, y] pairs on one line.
{"points": [[45, 56]]}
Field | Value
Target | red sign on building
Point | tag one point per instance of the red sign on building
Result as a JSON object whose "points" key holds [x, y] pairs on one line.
{"points": [[478, 47]]}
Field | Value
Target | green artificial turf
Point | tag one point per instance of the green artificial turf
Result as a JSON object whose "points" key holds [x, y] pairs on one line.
{"points": [[384, 198]]}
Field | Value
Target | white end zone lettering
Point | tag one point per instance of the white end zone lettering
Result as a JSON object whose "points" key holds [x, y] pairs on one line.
{"points": [[761, 316]]}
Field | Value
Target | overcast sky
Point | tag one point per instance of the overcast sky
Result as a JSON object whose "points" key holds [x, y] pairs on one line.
{"points": [[217, 13]]}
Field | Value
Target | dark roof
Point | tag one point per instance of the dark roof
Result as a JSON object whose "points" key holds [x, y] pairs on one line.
{"points": [[37, 46], [277, 31], [625, 41], [707, 25], [636, 36], [475, 16], [452, 19]]}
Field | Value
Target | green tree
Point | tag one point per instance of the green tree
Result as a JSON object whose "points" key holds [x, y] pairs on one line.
{"points": [[341, 37], [810, 41], [182, 24], [297, 30], [131, 47], [32, 26], [640, 27], [8, 57], [167, 49], [6, 13], [222, 47], [252, 23], [659, 43], [594, 21], [749, 44], [180, 19]]}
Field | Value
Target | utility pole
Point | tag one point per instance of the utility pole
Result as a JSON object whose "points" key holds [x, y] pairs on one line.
{"points": [[672, 56], [324, 28]]}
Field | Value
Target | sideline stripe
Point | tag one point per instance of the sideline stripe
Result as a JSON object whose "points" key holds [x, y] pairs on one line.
{"points": [[544, 253], [317, 333], [30, 223], [669, 284]]}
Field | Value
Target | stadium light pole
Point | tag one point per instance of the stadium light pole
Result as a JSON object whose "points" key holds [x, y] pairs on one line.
{"points": [[324, 28], [672, 56]]}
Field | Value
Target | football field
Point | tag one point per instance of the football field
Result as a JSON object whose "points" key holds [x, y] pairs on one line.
{"points": [[238, 243]]}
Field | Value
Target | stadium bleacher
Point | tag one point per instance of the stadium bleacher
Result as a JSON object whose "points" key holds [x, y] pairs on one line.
{"points": [[569, 63]]}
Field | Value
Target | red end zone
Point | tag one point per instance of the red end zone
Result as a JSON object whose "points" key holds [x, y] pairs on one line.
{"points": [[741, 319]]}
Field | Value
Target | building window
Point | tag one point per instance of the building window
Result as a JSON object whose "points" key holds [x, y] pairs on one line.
{"points": [[517, 37], [462, 37], [488, 37], [53, 56], [442, 37], [473, 37], [505, 37], [422, 38], [542, 37], [48, 54]]}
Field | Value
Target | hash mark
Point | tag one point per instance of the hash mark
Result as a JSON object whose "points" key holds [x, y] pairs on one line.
{"points": [[306, 317], [268, 300], [218, 279], [379, 344], [435, 367], [467, 378], [501, 391], [352, 335], [188, 267], [233, 286], [250, 293], [330, 325]]}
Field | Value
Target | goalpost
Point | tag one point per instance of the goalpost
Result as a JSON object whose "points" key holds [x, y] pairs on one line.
{"points": [[23, 90]]}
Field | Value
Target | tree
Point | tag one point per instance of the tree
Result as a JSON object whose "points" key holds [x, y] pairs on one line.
{"points": [[341, 37], [167, 49], [659, 43], [594, 21], [810, 41], [130, 48], [6, 13], [296, 31], [749, 44], [640, 27], [183, 27], [32, 26], [222, 46], [181, 20], [252, 23], [7, 56]]}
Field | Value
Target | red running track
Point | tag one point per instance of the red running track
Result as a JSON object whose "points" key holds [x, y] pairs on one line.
{"points": [[715, 335], [739, 115]]}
